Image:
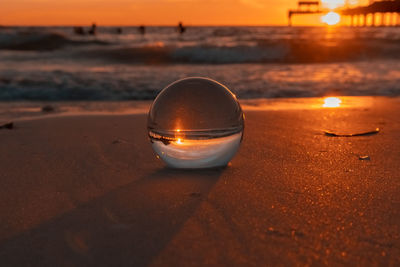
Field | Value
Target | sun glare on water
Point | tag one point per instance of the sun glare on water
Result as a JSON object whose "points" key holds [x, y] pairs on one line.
{"points": [[332, 102], [332, 18]]}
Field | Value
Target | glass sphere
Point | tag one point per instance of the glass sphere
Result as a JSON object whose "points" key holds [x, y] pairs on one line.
{"points": [[195, 123]]}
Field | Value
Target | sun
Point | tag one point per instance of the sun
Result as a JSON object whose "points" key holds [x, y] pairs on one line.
{"points": [[332, 18]]}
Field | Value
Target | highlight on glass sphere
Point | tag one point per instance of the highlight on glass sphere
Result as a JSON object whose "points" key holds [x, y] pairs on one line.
{"points": [[196, 123]]}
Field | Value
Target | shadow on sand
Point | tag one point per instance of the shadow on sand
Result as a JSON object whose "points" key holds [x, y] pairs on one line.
{"points": [[128, 226]]}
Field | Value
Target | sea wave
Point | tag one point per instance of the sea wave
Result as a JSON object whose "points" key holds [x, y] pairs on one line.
{"points": [[273, 52], [33, 41], [53, 63], [247, 81], [219, 46]]}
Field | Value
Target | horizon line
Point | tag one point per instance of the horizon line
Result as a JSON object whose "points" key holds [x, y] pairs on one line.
{"points": [[163, 25]]}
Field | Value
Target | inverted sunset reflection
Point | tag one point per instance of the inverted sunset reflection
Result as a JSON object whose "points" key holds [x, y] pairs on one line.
{"points": [[196, 153], [332, 102]]}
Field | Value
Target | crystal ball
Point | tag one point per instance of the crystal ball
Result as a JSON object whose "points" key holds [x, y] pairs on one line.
{"points": [[195, 123]]}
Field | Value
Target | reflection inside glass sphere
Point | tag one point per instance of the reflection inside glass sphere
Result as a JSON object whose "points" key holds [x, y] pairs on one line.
{"points": [[196, 123]]}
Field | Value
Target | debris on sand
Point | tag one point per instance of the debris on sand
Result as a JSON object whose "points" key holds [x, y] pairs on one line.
{"points": [[48, 108], [328, 133], [364, 158], [9, 125]]}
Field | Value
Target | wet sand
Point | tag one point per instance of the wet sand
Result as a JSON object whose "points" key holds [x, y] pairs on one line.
{"points": [[88, 190]]}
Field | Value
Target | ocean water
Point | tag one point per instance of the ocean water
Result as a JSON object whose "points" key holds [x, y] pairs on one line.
{"points": [[53, 63]]}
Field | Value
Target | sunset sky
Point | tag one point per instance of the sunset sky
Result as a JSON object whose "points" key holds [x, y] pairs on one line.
{"points": [[151, 12]]}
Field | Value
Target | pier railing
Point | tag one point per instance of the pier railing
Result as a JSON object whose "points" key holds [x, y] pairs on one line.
{"points": [[305, 7]]}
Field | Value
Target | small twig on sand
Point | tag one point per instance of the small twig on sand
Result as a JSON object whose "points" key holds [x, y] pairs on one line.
{"points": [[328, 133], [364, 158], [8, 125]]}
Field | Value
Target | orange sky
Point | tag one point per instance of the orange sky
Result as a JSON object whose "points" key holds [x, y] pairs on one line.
{"points": [[149, 12]]}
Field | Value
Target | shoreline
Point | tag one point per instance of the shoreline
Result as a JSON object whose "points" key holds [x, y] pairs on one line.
{"points": [[30, 110]]}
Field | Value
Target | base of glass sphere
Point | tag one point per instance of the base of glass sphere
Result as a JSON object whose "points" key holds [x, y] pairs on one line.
{"points": [[202, 153]]}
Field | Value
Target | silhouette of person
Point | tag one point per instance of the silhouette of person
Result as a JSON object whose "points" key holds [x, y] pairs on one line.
{"points": [[119, 30], [93, 29], [181, 28], [142, 29]]}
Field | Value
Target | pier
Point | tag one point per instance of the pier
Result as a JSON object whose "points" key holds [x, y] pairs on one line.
{"points": [[388, 11], [376, 13], [305, 7]]}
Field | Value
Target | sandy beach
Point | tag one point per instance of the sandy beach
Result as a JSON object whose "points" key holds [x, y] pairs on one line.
{"points": [[79, 190]]}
